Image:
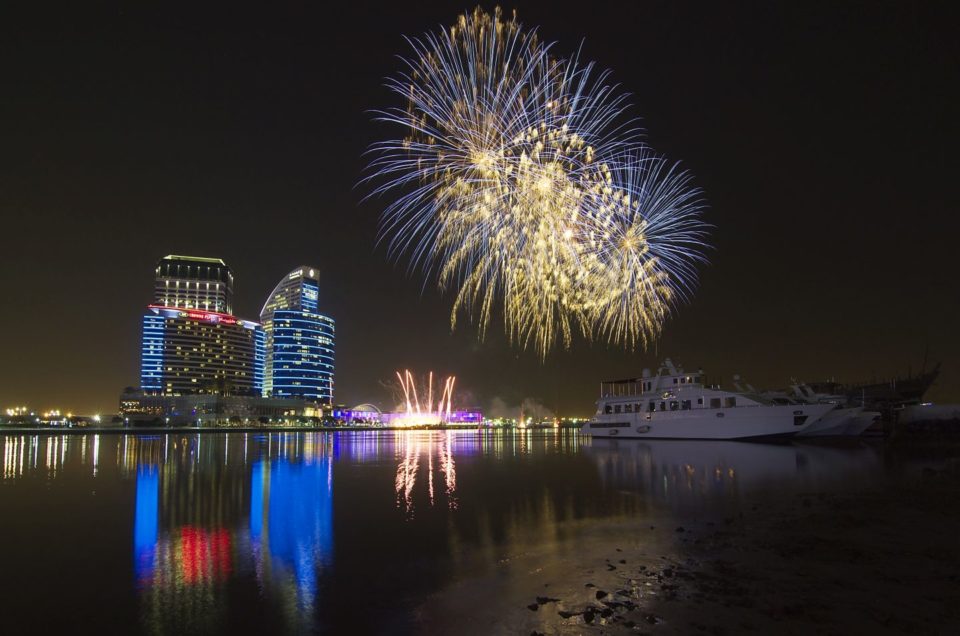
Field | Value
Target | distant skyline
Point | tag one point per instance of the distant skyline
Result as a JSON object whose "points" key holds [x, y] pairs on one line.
{"points": [[822, 134]]}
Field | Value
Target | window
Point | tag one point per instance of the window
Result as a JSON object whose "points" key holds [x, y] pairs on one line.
{"points": [[674, 380], [729, 402], [607, 409], [636, 408], [628, 408], [699, 401], [616, 409], [685, 405], [683, 380], [652, 407], [674, 405], [714, 403]]}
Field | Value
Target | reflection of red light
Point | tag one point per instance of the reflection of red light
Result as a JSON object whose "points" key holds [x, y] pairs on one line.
{"points": [[204, 554]]}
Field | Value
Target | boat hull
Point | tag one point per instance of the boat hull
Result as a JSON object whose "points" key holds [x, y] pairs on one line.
{"points": [[849, 422], [748, 423]]}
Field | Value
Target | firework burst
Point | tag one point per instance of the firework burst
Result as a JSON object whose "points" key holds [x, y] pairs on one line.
{"points": [[520, 187]]}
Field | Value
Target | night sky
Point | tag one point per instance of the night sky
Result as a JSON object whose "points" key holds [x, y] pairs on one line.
{"points": [[824, 136]]}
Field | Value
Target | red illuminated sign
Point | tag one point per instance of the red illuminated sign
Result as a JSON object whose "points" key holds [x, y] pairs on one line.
{"points": [[195, 314]]}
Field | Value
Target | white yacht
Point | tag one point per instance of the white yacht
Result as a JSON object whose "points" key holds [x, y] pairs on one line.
{"points": [[841, 421], [679, 405]]}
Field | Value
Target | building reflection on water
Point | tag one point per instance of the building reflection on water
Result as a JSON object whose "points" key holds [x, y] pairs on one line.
{"points": [[291, 525], [207, 509]]}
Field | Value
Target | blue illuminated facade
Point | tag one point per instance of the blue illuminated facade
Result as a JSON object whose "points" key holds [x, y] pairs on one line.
{"points": [[259, 359], [303, 355], [151, 353], [299, 341]]}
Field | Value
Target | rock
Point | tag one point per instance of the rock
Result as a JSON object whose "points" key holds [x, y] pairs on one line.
{"points": [[611, 567], [564, 614], [680, 529], [588, 616], [601, 594], [589, 585], [606, 612], [533, 607], [543, 600], [668, 572], [623, 560]]}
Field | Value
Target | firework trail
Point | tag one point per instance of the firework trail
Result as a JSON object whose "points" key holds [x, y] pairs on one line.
{"points": [[521, 186]]}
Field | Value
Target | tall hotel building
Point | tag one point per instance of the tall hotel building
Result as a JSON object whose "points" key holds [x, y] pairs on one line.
{"points": [[191, 341], [298, 340]]}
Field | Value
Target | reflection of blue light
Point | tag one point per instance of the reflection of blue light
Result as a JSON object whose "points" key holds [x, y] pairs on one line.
{"points": [[146, 520], [256, 501], [297, 501]]}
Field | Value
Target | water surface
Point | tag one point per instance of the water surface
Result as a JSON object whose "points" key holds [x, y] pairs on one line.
{"points": [[347, 532]]}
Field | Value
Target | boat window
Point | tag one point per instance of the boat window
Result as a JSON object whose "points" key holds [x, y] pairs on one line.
{"points": [[714, 403], [628, 408], [683, 380], [663, 406], [616, 409], [674, 405], [607, 409], [685, 405], [636, 408], [674, 380], [730, 402], [653, 407], [699, 401], [696, 379]]}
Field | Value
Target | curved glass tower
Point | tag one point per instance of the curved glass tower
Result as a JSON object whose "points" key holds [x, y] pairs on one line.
{"points": [[298, 340]]}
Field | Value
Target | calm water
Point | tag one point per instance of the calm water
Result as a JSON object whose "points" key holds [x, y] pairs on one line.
{"points": [[346, 532]]}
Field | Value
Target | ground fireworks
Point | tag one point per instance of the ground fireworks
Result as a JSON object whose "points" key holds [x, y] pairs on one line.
{"points": [[426, 404], [520, 187]]}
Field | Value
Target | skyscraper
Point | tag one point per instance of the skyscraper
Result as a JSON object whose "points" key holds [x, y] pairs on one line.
{"points": [[186, 351], [191, 343], [193, 282], [299, 341]]}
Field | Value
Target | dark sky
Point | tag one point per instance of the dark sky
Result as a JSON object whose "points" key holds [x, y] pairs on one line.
{"points": [[824, 135]]}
